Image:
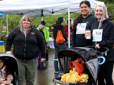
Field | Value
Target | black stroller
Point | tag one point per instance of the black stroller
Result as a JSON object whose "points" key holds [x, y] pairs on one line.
{"points": [[89, 56], [11, 62]]}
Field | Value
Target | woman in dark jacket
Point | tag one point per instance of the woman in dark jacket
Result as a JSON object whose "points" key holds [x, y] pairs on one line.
{"points": [[28, 44], [80, 24], [103, 37]]}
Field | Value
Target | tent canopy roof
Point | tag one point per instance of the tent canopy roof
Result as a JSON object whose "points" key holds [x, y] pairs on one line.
{"points": [[48, 6]]}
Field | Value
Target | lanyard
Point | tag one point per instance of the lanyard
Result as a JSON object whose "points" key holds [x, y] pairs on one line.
{"points": [[100, 24]]}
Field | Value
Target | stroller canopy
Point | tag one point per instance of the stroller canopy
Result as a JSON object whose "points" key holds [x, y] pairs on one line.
{"points": [[10, 61], [86, 53]]}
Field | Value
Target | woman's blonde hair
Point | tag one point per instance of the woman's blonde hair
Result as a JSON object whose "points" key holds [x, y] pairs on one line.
{"points": [[105, 11], [25, 17]]}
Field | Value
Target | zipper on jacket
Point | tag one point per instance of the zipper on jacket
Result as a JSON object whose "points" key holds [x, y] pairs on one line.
{"points": [[25, 35]]}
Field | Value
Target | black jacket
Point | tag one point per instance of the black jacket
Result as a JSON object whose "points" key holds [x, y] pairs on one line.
{"points": [[28, 47], [79, 39], [107, 37]]}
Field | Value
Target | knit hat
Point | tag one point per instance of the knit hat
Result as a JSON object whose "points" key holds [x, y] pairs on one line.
{"points": [[60, 19]]}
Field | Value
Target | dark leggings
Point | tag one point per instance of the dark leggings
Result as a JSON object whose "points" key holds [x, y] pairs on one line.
{"points": [[105, 74]]}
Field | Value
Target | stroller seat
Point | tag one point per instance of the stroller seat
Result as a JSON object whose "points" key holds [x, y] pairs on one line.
{"points": [[89, 57]]}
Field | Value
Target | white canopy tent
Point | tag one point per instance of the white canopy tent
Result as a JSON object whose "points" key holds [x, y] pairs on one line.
{"points": [[48, 6], [42, 7], [25, 6]]}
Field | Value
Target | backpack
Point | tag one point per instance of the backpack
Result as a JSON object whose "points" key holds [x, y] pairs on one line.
{"points": [[60, 38]]}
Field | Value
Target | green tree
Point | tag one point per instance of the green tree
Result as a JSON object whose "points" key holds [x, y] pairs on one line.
{"points": [[107, 1]]}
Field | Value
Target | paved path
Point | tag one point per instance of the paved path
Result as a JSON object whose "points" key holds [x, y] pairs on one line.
{"points": [[45, 77]]}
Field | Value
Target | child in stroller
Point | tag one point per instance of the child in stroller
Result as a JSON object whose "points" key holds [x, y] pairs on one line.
{"points": [[6, 77]]}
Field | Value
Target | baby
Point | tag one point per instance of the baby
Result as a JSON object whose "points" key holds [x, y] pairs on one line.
{"points": [[5, 77]]}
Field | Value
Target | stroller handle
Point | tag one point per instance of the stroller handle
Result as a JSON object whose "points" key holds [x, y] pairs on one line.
{"points": [[101, 58]]}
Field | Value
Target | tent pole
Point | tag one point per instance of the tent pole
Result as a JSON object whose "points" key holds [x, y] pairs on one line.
{"points": [[7, 25], [68, 27]]}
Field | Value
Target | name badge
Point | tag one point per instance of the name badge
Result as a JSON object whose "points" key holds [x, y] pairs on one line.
{"points": [[97, 35], [81, 27]]}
